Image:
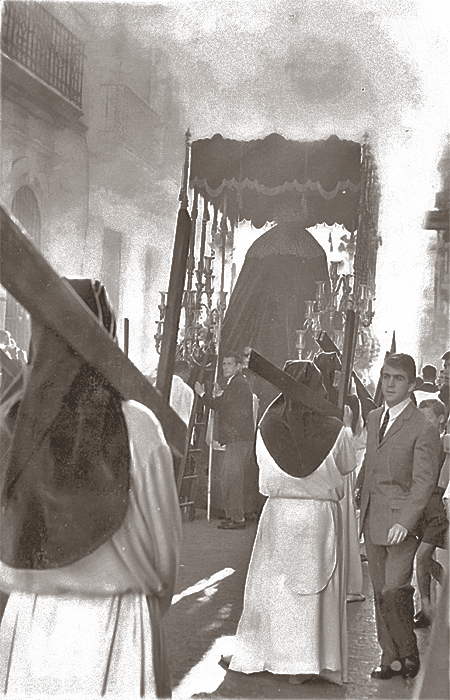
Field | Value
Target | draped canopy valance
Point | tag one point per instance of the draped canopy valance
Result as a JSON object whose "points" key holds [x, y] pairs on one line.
{"points": [[256, 179]]}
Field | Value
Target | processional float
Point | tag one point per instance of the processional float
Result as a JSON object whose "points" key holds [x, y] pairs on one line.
{"points": [[334, 181], [227, 182]]}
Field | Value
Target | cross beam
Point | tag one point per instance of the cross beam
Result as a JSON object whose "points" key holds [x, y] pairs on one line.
{"points": [[27, 275], [348, 352], [174, 302], [367, 402], [8, 365], [290, 387]]}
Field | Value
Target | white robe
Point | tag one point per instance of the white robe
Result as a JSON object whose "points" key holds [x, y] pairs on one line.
{"points": [[351, 537], [294, 617], [84, 630], [181, 398]]}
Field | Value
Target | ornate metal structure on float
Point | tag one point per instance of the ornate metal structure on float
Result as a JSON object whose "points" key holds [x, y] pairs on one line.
{"points": [[203, 304], [331, 181], [355, 290], [335, 181]]}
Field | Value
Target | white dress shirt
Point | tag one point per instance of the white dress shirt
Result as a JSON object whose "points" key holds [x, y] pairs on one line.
{"points": [[394, 412]]}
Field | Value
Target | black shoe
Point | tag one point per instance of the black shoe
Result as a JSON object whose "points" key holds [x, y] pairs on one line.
{"points": [[225, 521], [411, 665], [232, 525], [422, 621], [383, 673]]}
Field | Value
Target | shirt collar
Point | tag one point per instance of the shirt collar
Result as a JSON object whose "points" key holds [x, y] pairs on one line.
{"points": [[233, 375], [395, 411]]}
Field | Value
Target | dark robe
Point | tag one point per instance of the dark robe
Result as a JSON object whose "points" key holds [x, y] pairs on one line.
{"points": [[64, 483], [267, 304]]}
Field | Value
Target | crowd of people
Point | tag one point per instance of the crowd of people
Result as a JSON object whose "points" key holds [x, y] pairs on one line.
{"points": [[91, 526]]}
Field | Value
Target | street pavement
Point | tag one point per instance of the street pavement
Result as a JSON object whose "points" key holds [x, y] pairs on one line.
{"points": [[205, 611]]}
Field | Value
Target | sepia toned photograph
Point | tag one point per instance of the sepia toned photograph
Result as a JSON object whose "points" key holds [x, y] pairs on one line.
{"points": [[225, 349]]}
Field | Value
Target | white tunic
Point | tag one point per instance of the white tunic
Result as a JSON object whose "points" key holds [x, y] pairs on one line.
{"points": [[181, 398], [84, 630], [351, 537], [294, 617]]}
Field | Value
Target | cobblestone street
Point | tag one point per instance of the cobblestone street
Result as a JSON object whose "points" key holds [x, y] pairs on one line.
{"points": [[205, 613]]}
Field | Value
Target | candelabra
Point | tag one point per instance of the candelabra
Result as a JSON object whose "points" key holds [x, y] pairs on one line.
{"points": [[160, 322], [327, 312], [203, 307]]}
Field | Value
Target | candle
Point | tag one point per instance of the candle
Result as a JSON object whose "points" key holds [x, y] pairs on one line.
{"points": [[309, 309], [300, 344]]}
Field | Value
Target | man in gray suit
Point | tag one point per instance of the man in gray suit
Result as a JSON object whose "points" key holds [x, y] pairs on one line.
{"points": [[396, 480]]}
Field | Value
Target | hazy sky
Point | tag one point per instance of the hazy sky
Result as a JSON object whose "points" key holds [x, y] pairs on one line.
{"points": [[309, 69]]}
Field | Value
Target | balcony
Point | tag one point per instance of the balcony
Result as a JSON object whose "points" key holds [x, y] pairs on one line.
{"points": [[32, 37]]}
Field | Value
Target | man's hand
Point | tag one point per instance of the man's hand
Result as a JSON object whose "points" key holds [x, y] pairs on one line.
{"points": [[199, 388], [217, 390], [396, 534]]}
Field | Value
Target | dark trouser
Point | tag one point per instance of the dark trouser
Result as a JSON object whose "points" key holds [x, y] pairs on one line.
{"points": [[391, 570], [233, 478]]}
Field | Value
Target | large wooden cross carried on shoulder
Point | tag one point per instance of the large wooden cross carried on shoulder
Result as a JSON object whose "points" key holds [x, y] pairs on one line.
{"points": [[10, 367], [290, 387], [296, 391], [31, 280], [366, 401]]}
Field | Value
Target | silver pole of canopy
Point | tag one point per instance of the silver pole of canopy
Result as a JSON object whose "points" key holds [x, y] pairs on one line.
{"points": [[221, 308]]}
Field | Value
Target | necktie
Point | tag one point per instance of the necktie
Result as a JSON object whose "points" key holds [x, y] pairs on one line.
{"points": [[383, 426]]}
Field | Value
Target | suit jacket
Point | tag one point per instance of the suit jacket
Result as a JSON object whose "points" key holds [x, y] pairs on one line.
{"points": [[235, 407], [399, 474]]}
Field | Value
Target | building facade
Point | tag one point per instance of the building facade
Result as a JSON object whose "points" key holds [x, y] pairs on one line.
{"points": [[92, 141], [436, 325], [44, 147]]}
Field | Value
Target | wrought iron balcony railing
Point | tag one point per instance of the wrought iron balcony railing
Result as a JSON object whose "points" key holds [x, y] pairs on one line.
{"points": [[35, 39]]}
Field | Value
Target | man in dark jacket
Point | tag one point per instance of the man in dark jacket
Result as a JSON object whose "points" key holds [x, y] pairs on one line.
{"points": [[236, 432]]}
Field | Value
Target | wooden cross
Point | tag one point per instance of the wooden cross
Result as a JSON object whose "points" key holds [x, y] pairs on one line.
{"points": [[290, 387], [184, 240], [9, 365], [367, 402], [348, 352], [27, 275]]}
